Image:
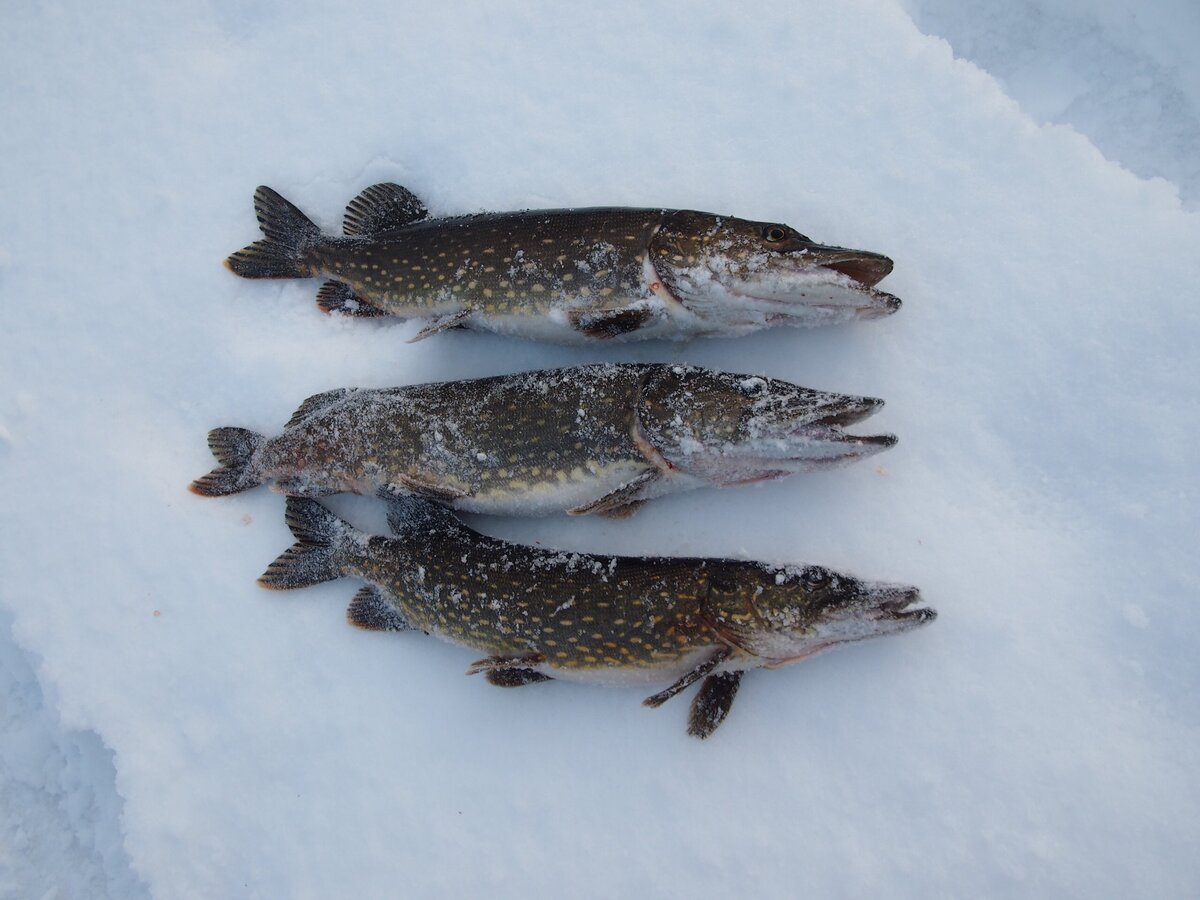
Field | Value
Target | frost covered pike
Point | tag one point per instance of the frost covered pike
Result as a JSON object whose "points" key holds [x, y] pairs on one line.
{"points": [[567, 275], [588, 439], [540, 614]]}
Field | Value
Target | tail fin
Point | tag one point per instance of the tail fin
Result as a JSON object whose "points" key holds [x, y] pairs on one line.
{"points": [[317, 554], [289, 236], [234, 449]]}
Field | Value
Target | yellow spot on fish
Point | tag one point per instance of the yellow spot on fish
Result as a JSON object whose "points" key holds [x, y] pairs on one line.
{"points": [[490, 250], [489, 268], [568, 277], [537, 289], [487, 292], [604, 292]]}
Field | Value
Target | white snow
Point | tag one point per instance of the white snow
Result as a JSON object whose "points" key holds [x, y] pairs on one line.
{"points": [[172, 729]]}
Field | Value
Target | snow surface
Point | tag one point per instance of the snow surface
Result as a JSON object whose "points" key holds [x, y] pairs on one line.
{"points": [[1040, 739]]}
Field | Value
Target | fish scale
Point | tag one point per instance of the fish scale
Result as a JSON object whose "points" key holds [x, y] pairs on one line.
{"points": [[599, 438], [542, 614], [516, 264], [568, 275]]}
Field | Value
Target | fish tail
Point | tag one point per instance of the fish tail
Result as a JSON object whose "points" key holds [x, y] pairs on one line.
{"points": [[320, 551], [284, 253], [234, 449]]}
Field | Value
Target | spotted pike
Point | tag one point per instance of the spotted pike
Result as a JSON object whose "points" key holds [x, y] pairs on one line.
{"points": [[567, 275], [588, 439], [541, 614]]}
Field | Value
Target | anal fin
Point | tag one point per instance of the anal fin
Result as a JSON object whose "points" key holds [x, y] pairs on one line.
{"points": [[491, 664], [442, 323], [623, 501], [510, 678], [608, 323], [339, 297], [712, 702], [370, 610]]}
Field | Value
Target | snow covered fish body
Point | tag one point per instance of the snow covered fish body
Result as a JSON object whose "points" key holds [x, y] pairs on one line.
{"points": [[566, 275], [587, 439], [541, 614]]}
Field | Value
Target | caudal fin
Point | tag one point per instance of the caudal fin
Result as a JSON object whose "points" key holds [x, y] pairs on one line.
{"points": [[317, 555], [289, 236], [234, 449]]}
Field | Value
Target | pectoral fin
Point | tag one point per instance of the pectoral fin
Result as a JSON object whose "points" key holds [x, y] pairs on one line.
{"points": [[712, 702], [718, 656], [430, 488], [622, 502], [608, 323], [442, 323], [302, 487], [622, 512]]}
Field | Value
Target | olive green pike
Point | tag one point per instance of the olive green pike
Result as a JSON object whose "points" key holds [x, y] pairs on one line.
{"points": [[568, 275], [587, 439], [542, 614]]}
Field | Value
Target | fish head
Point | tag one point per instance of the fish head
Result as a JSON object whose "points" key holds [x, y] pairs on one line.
{"points": [[784, 614], [735, 274], [725, 428]]}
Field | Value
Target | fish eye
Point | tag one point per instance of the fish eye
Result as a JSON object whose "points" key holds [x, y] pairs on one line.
{"points": [[775, 233], [815, 577]]}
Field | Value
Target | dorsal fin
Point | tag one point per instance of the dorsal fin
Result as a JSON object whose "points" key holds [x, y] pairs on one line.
{"points": [[382, 207], [316, 402], [370, 610]]}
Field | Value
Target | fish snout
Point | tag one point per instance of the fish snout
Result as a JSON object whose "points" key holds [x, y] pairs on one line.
{"points": [[863, 266], [902, 603]]}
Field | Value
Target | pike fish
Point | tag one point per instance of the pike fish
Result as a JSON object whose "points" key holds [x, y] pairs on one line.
{"points": [[566, 275], [540, 614], [588, 439]]}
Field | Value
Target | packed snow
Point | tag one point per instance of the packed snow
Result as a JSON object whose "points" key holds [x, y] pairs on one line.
{"points": [[172, 730]]}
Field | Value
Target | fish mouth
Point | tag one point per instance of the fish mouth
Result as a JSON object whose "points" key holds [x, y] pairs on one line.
{"points": [[818, 439], [904, 605], [820, 281], [861, 266]]}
